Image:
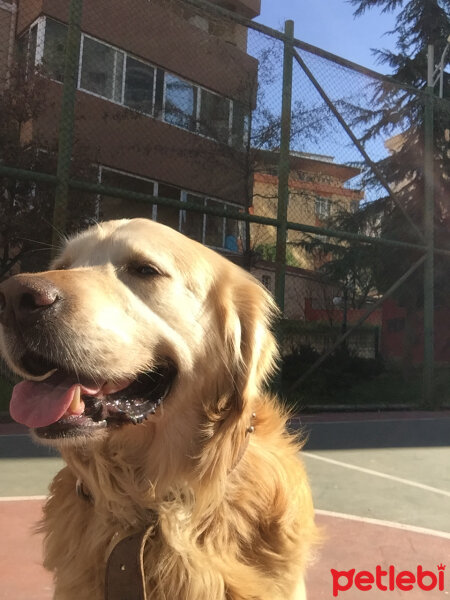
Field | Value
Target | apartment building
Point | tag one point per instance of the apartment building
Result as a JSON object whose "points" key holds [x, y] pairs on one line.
{"points": [[163, 102], [318, 188]]}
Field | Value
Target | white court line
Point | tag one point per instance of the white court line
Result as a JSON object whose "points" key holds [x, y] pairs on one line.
{"points": [[382, 523], [421, 486], [19, 498], [374, 420]]}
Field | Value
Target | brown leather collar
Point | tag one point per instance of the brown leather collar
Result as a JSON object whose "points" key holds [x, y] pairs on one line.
{"points": [[125, 576]]}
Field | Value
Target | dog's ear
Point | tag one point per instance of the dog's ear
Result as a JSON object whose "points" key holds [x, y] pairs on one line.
{"points": [[248, 312], [245, 312], [254, 348]]}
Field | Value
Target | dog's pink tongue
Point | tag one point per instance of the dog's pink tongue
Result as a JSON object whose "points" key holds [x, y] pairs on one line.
{"points": [[38, 404]]}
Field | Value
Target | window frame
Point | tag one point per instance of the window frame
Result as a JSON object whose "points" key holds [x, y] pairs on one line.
{"points": [[318, 203]]}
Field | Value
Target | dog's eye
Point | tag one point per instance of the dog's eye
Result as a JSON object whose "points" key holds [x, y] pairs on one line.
{"points": [[145, 270]]}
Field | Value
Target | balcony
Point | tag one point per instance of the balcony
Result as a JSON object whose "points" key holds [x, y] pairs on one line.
{"points": [[246, 8]]}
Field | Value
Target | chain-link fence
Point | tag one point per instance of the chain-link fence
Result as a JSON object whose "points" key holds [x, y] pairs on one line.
{"points": [[301, 167]]}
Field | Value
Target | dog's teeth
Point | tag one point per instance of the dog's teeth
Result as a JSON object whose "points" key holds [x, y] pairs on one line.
{"points": [[77, 405]]}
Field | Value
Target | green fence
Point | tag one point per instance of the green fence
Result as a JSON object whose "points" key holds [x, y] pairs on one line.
{"points": [[242, 137]]}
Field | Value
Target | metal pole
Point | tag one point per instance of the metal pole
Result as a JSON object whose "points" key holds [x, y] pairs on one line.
{"points": [[284, 165], [66, 123], [428, 306]]}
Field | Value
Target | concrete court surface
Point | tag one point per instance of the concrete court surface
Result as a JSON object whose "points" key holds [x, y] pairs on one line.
{"points": [[381, 484]]}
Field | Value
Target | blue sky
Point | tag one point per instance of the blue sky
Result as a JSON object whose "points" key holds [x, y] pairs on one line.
{"points": [[330, 25]]}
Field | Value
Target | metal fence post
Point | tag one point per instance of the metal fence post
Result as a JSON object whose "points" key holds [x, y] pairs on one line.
{"points": [[428, 306], [66, 123], [284, 165]]}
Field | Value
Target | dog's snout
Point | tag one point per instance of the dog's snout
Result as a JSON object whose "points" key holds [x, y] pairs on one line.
{"points": [[25, 299]]}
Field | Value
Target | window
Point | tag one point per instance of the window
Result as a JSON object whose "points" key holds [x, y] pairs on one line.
{"points": [[232, 233], [125, 208], [240, 127], [101, 69], [180, 103], [219, 232], [169, 215], [113, 74], [192, 222], [214, 230], [322, 208], [214, 116], [54, 49], [139, 81], [26, 49]]}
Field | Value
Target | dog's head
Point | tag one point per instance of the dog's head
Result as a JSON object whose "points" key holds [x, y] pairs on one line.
{"points": [[133, 315]]}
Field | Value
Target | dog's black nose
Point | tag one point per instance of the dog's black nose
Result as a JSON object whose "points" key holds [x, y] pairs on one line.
{"points": [[25, 299]]}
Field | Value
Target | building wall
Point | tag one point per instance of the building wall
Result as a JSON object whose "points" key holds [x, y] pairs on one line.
{"points": [[116, 137], [316, 312], [299, 287], [393, 333]]}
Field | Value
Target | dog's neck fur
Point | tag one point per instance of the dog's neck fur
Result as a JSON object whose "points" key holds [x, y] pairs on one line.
{"points": [[80, 465]]}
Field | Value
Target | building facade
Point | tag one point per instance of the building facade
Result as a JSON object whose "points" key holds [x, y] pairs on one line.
{"points": [[317, 190], [163, 102]]}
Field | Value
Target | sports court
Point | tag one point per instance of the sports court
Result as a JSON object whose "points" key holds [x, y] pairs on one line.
{"points": [[381, 484]]}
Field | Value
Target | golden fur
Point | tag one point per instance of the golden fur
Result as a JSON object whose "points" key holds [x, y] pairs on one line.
{"points": [[234, 521]]}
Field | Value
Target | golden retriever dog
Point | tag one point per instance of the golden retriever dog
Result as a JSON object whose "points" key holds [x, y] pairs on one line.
{"points": [[145, 357]]}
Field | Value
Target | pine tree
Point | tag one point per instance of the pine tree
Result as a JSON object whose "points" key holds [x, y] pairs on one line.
{"points": [[397, 114], [418, 23]]}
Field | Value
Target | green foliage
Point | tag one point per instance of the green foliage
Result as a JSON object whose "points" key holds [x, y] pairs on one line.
{"points": [[352, 265], [400, 110], [268, 252], [26, 207], [341, 372]]}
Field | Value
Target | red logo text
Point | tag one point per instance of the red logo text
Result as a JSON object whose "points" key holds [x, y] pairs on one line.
{"points": [[388, 580]]}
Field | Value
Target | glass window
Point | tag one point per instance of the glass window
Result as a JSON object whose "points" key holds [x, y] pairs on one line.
{"points": [[26, 50], [181, 103], [125, 208], [192, 222], [33, 45], [241, 125], [322, 207], [139, 85], [214, 116], [102, 69], [159, 93], [168, 215], [54, 49], [214, 229], [232, 237]]}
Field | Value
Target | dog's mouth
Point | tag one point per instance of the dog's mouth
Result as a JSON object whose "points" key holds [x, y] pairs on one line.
{"points": [[67, 404]]}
